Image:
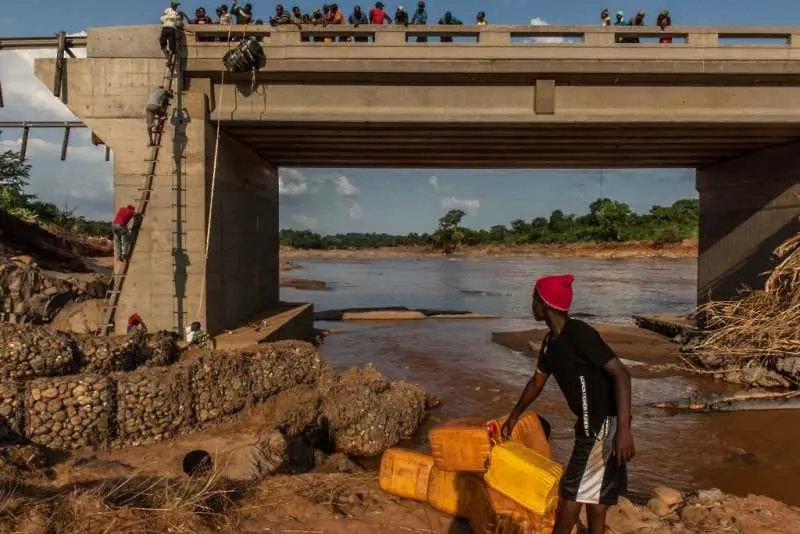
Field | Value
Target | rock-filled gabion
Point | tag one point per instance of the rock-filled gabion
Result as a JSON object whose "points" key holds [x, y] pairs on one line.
{"points": [[106, 355], [220, 384], [366, 414], [11, 407], [283, 365], [158, 349], [70, 412], [33, 351], [153, 404]]}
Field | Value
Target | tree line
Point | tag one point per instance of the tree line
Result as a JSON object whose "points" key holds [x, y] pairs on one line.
{"points": [[606, 221], [14, 177]]}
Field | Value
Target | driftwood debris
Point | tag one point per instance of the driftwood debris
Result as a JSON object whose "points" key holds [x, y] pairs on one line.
{"points": [[734, 402]]}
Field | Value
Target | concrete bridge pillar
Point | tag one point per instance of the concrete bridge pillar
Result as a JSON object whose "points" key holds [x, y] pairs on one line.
{"points": [[171, 280], [748, 206]]}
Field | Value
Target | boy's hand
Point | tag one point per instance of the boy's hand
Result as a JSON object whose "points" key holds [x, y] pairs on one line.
{"points": [[508, 428], [624, 449]]}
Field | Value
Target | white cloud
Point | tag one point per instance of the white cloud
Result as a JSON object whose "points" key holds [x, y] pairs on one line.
{"points": [[435, 184], [305, 222], [344, 187], [294, 182], [24, 96], [355, 212], [466, 204], [537, 21]]}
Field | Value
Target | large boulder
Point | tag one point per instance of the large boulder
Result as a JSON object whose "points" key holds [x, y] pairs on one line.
{"points": [[366, 414]]}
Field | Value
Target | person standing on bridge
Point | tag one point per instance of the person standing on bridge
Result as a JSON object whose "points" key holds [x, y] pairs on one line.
{"points": [[401, 16], [480, 19], [420, 18], [281, 18], [597, 388], [357, 18], [605, 18], [664, 21], [223, 15], [171, 24], [449, 20], [243, 14], [122, 235], [378, 16]]}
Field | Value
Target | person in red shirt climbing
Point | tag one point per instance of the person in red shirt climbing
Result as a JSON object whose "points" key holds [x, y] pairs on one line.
{"points": [[122, 235]]}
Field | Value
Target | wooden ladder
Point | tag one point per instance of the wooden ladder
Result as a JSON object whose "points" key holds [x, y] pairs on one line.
{"points": [[118, 278]]}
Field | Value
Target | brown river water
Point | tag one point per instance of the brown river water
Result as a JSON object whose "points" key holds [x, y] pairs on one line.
{"points": [[741, 453]]}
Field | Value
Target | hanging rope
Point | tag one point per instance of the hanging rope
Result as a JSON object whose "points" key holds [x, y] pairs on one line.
{"points": [[213, 184]]}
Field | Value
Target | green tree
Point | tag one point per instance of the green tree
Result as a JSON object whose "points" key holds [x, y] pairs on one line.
{"points": [[449, 235], [611, 217], [14, 176]]}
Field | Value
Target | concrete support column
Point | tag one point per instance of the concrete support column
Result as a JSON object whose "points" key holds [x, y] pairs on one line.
{"points": [[748, 206], [242, 268]]}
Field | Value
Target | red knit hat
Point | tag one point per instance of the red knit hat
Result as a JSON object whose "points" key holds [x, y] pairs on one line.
{"points": [[556, 291]]}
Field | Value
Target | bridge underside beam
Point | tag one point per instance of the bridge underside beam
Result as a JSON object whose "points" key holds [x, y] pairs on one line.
{"points": [[498, 145]]}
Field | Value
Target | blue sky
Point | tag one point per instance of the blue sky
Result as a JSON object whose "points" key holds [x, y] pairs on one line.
{"points": [[341, 200]]}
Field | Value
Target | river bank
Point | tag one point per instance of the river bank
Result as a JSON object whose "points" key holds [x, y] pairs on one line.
{"points": [[629, 250]]}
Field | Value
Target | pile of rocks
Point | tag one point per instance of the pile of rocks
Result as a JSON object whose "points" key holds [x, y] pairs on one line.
{"points": [[10, 409], [671, 512], [106, 354], [70, 412], [28, 295]]}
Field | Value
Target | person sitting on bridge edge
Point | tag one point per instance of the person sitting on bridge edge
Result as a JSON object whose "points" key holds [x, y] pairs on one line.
{"points": [[377, 15], [448, 20], [171, 24], [156, 111], [480, 18], [664, 21], [122, 235], [597, 388]]}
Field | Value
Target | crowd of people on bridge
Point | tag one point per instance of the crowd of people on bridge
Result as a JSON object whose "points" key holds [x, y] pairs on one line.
{"points": [[330, 14]]}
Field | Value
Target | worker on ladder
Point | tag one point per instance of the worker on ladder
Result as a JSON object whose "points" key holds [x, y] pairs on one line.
{"points": [[171, 25], [122, 234], [156, 112]]}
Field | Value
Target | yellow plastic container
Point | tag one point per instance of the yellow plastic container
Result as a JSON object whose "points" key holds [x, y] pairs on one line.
{"points": [[525, 476], [449, 492], [405, 473], [529, 432], [461, 445]]}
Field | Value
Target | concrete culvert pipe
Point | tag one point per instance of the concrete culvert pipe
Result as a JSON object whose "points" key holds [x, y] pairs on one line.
{"points": [[197, 463]]}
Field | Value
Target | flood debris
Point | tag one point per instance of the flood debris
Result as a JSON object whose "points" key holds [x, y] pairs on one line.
{"points": [[755, 340], [739, 401]]}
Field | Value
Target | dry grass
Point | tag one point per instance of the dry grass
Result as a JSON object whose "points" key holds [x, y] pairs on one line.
{"points": [[758, 328], [126, 506]]}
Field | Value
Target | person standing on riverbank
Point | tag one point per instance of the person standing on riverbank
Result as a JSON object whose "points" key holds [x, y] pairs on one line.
{"points": [[597, 388]]}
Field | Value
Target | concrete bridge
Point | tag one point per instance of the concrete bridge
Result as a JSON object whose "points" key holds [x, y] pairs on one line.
{"points": [[723, 101]]}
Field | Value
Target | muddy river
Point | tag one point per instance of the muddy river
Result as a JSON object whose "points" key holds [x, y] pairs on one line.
{"points": [[748, 452]]}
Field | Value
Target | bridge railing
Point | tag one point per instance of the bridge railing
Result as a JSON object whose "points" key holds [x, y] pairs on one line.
{"points": [[498, 35]]}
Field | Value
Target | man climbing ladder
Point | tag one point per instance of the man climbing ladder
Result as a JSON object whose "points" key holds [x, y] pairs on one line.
{"points": [[122, 235]]}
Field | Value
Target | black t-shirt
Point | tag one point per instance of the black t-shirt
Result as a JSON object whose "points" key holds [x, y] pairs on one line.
{"points": [[577, 358]]}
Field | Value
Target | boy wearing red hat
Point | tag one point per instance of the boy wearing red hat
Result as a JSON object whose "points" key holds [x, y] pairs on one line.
{"points": [[597, 388]]}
